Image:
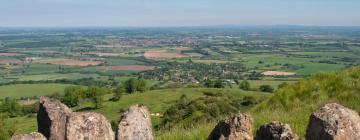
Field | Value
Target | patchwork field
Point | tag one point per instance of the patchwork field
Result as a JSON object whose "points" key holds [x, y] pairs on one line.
{"points": [[126, 68], [55, 76], [163, 55], [6, 62], [10, 54], [69, 62]]}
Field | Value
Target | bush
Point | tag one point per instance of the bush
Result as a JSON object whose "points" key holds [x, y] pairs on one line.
{"points": [[11, 107], [94, 95], [208, 83], [248, 100], [73, 95], [219, 84], [266, 88], [118, 93], [188, 113], [244, 85], [283, 84], [132, 85]]}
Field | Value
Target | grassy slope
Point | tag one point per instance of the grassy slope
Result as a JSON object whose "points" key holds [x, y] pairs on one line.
{"points": [[156, 101], [294, 104]]}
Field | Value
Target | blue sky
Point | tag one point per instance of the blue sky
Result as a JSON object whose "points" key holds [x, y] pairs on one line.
{"points": [[178, 12]]}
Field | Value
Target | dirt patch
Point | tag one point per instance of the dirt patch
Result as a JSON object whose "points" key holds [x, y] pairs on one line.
{"points": [[194, 54], [6, 62], [127, 67], [277, 73], [70, 62], [10, 54], [163, 55], [105, 54]]}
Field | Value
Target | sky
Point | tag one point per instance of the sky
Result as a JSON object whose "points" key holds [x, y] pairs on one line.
{"points": [[143, 13]]}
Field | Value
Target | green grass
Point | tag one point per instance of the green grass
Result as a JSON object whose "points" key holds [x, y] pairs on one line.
{"points": [[30, 90], [293, 104], [309, 65], [55, 76], [156, 101], [312, 68], [255, 84]]}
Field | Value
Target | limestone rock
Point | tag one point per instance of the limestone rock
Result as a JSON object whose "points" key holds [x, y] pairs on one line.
{"points": [[51, 118], [31, 136], [88, 126], [275, 131], [234, 128], [135, 124], [333, 122]]}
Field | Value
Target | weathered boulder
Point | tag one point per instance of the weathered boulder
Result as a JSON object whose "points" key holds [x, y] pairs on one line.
{"points": [[235, 128], [88, 126], [333, 122], [31, 136], [135, 124], [51, 118], [275, 131]]}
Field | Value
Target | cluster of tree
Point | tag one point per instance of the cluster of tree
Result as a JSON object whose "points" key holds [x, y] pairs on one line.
{"points": [[74, 95], [11, 108], [133, 85], [179, 72], [187, 113], [244, 85], [214, 84]]}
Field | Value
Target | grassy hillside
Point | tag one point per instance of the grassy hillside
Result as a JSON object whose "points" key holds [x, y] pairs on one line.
{"points": [[293, 104], [155, 100]]}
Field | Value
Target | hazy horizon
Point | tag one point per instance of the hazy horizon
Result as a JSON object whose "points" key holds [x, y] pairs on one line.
{"points": [[184, 13]]}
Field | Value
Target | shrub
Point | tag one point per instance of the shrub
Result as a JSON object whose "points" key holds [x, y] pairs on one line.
{"points": [[219, 84], [266, 88], [118, 93], [11, 107], [188, 113], [244, 85]]}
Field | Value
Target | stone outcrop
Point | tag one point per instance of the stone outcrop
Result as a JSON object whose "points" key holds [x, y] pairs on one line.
{"points": [[88, 126], [275, 131], [51, 118], [31, 136], [235, 128], [333, 122], [135, 124]]}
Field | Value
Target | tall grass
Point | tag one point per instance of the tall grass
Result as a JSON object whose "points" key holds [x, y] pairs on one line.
{"points": [[293, 104]]}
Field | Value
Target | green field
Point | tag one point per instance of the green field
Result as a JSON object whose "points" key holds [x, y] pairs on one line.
{"points": [[30, 90], [55, 76]]}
